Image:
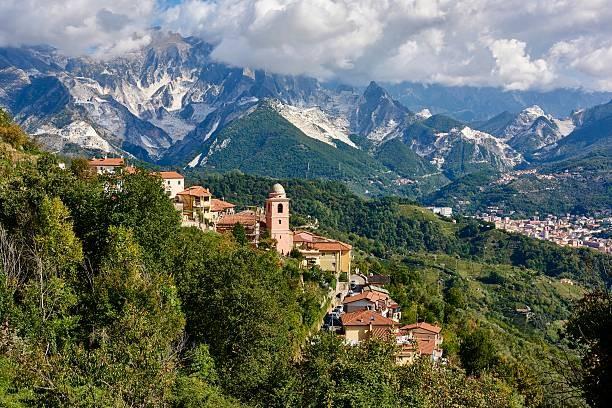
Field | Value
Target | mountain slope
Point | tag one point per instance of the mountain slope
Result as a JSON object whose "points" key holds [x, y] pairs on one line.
{"points": [[593, 135], [457, 149], [378, 116], [400, 158], [263, 142], [529, 130]]}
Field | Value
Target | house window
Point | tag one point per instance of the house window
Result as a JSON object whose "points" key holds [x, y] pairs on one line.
{"points": [[280, 208], [179, 182], [280, 221]]}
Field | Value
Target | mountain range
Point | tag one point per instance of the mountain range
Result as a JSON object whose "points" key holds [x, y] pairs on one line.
{"points": [[172, 104]]}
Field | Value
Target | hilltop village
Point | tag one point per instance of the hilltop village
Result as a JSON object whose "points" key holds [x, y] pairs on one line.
{"points": [[359, 307]]}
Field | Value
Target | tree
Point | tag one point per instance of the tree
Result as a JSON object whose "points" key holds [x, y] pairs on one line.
{"points": [[56, 238], [142, 205], [239, 301], [80, 167], [478, 352], [136, 322], [12, 133], [239, 234], [590, 328]]}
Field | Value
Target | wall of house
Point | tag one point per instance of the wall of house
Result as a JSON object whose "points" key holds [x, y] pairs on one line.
{"points": [[336, 261], [359, 305], [355, 334], [173, 186], [345, 262], [426, 335]]}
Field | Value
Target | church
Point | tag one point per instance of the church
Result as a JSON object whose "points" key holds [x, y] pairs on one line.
{"points": [[277, 219], [328, 254]]}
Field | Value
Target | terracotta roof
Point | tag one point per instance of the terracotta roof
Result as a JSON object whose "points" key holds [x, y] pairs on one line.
{"points": [[113, 161], [381, 332], [422, 325], [423, 346], [320, 243], [166, 175], [331, 246], [196, 191], [365, 318], [426, 346], [371, 296], [219, 205], [244, 218]]}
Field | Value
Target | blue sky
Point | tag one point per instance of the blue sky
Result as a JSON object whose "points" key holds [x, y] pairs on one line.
{"points": [[514, 44]]}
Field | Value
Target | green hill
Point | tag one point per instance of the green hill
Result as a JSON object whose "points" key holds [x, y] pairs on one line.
{"points": [[400, 158], [264, 143]]}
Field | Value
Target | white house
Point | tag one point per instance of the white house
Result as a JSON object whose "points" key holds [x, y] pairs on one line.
{"points": [[173, 182], [107, 165]]}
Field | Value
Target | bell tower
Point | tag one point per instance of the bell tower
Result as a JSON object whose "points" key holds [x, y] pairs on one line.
{"points": [[277, 219]]}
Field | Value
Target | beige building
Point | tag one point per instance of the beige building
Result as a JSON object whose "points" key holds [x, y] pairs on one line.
{"points": [[194, 203], [331, 255], [364, 324]]}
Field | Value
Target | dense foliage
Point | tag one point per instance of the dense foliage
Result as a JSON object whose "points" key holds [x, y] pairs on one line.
{"points": [[106, 301]]}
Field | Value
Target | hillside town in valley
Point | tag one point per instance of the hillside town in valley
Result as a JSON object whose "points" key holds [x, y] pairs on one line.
{"points": [[569, 230], [358, 310]]}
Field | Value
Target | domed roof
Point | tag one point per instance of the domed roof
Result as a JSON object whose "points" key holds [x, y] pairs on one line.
{"points": [[277, 189]]}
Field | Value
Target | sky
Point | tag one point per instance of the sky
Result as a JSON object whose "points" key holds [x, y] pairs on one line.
{"points": [[513, 44]]}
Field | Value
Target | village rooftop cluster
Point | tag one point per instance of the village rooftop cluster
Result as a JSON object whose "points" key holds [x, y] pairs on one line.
{"points": [[359, 310], [569, 230]]}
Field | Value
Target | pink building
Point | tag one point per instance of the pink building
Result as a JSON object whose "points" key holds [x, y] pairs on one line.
{"points": [[277, 219]]}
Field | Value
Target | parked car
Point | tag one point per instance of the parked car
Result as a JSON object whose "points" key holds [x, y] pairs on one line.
{"points": [[331, 320]]}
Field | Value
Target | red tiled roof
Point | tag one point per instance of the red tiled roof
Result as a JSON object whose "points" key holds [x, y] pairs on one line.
{"points": [[426, 346], [381, 332], [331, 246], [196, 191], [365, 318], [166, 175], [320, 243], [422, 325], [219, 205], [113, 162], [369, 295], [244, 218]]}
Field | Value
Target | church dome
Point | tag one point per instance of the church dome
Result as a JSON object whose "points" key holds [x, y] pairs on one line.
{"points": [[277, 189]]}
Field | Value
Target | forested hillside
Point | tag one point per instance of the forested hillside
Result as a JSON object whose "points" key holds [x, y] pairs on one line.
{"points": [[105, 300]]}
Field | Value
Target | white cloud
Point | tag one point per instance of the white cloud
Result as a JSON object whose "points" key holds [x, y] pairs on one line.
{"points": [[515, 68], [108, 27], [509, 43]]}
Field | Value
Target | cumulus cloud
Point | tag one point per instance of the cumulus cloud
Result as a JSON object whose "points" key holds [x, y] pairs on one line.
{"points": [[515, 68], [509, 43], [101, 27]]}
